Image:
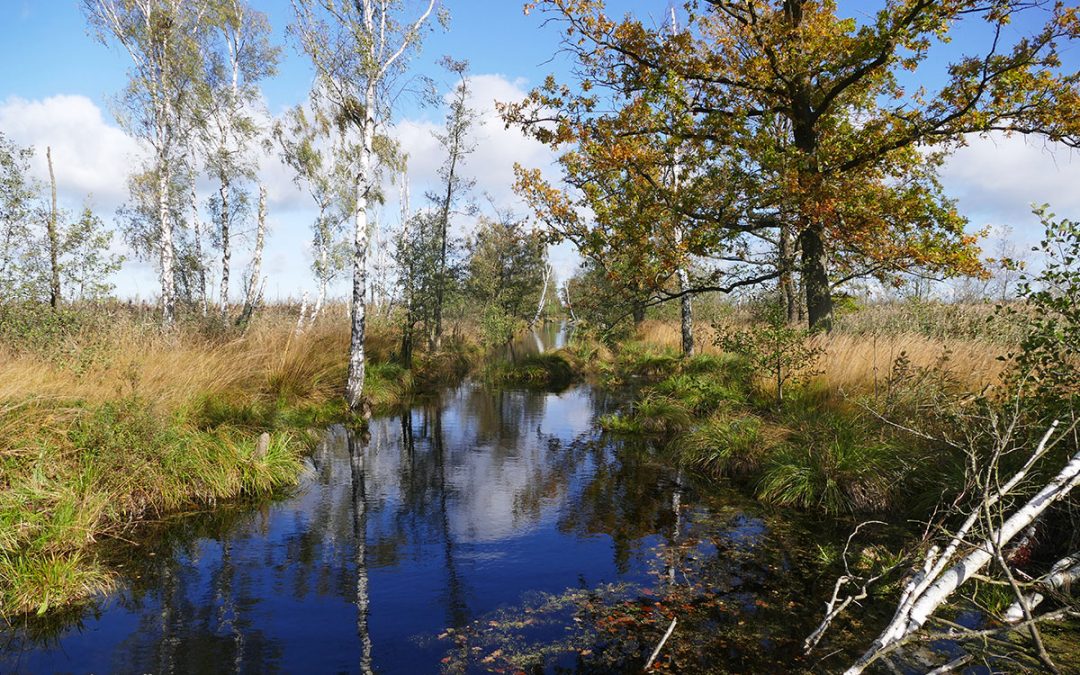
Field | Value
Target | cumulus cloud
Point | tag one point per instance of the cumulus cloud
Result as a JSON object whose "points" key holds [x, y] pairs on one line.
{"points": [[996, 179], [94, 156], [491, 163], [90, 155]]}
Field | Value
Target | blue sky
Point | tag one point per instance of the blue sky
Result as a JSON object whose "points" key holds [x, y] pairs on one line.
{"points": [[59, 83]]}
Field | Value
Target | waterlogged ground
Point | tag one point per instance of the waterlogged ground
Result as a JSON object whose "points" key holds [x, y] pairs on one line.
{"points": [[489, 531]]}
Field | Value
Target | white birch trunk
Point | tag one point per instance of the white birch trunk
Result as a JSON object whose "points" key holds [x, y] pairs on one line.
{"points": [[686, 324], [320, 299], [354, 386], [303, 312], [543, 296], [929, 589], [196, 226], [226, 249], [1063, 575], [255, 281], [167, 253]]}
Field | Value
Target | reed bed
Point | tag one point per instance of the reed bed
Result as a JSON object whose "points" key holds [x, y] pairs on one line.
{"points": [[858, 362]]}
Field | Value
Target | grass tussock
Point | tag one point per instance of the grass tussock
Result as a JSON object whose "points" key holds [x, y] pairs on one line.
{"points": [[90, 471], [834, 463], [725, 445], [816, 450]]}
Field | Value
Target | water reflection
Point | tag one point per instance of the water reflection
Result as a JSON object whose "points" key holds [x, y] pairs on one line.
{"points": [[434, 520], [542, 338]]}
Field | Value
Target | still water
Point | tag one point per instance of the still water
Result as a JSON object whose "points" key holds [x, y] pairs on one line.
{"points": [[489, 530]]}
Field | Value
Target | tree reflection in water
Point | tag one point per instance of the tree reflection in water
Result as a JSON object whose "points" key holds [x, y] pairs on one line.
{"points": [[457, 514]]}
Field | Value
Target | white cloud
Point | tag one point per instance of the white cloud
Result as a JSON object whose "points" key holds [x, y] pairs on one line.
{"points": [[90, 155], [94, 156], [490, 164], [996, 179]]}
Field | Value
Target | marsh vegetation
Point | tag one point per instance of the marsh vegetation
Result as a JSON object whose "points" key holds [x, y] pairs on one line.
{"points": [[782, 413]]}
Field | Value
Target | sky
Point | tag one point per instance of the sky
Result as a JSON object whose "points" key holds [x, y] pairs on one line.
{"points": [[59, 84]]}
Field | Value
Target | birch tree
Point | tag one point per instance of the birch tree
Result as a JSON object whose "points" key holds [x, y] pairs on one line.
{"points": [[16, 207], [686, 315], [255, 281], [52, 229], [320, 169], [454, 139], [162, 39], [358, 47], [239, 56]]}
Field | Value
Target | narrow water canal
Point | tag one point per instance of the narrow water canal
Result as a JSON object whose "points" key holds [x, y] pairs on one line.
{"points": [[491, 530]]}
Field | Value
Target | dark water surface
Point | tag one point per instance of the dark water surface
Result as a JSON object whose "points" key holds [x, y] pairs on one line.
{"points": [[421, 548]]}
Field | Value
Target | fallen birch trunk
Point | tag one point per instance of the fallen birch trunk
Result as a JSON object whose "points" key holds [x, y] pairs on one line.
{"points": [[1062, 575], [942, 572]]}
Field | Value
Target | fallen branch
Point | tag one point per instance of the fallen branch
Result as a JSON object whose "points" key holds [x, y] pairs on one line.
{"points": [[952, 665], [832, 609], [942, 573], [656, 652], [1061, 576]]}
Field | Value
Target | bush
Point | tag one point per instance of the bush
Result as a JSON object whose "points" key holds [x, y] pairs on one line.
{"points": [[774, 350]]}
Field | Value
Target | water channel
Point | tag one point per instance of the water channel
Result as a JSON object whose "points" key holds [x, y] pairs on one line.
{"points": [[488, 530]]}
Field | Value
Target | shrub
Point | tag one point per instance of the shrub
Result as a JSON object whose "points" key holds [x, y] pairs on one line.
{"points": [[776, 351]]}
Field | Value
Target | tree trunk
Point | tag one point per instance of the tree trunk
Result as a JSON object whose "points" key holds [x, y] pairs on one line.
{"points": [[363, 600], [255, 282], [786, 263], [819, 305], [940, 577], [354, 386], [226, 249], [543, 297], [638, 313], [1063, 575], [686, 302], [54, 238], [300, 323], [196, 227], [322, 262], [569, 304], [167, 252], [687, 314], [440, 278]]}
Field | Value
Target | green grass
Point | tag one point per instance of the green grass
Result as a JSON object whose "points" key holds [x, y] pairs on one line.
{"points": [[387, 384], [90, 472], [833, 463], [641, 360], [653, 414], [725, 445], [701, 393]]}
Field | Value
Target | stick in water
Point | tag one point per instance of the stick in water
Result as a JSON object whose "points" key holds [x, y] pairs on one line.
{"points": [[656, 652]]}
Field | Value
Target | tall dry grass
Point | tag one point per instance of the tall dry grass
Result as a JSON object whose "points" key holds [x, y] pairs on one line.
{"points": [[858, 362], [169, 370], [105, 423]]}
